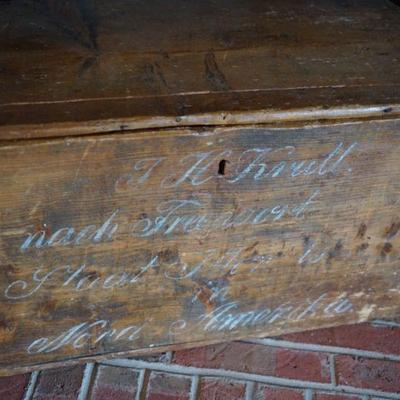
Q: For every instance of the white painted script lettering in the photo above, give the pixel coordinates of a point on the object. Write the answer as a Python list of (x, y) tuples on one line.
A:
[(69, 236), (257, 164), (170, 220), (84, 334), (75, 278), (228, 317)]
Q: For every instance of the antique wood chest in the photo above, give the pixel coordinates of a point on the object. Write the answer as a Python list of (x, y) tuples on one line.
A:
[(183, 172)]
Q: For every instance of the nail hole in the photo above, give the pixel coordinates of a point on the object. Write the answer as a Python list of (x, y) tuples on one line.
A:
[(221, 167)]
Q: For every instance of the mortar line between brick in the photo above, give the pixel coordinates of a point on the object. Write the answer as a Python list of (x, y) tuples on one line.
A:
[(332, 369), (249, 390), (86, 381), (382, 322), (140, 385), (244, 376), (168, 355), (324, 348), (31, 386), (194, 387), (308, 394)]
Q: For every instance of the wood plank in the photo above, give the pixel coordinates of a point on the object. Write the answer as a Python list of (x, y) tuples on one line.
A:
[(112, 244), (85, 67)]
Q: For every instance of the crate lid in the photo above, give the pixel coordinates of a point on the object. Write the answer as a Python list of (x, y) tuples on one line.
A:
[(73, 68)]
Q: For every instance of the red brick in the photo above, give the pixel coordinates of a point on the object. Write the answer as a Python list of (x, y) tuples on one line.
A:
[(13, 387), (363, 337), (232, 356), (163, 386), (368, 373), (302, 365), (115, 383), (59, 384), (221, 389), (259, 359), (334, 396), (275, 393)]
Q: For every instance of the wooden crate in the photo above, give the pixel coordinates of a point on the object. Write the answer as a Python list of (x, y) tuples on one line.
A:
[(186, 172)]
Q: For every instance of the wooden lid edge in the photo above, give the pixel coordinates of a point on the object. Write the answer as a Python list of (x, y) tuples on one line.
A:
[(256, 117)]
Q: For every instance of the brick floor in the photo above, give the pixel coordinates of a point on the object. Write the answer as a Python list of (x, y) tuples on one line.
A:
[(358, 362)]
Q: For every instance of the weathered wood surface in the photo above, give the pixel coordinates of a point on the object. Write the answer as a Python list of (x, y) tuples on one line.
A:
[(286, 218), (132, 241), (124, 65)]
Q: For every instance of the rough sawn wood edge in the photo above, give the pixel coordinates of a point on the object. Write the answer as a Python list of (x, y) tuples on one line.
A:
[(222, 118)]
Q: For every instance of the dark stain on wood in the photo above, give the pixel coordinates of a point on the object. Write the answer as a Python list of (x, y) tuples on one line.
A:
[(335, 252), (76, 19), (213, 74), (392, 230), (154, 77), (387, 247), (87, 64), (361, 231), (362, 247)]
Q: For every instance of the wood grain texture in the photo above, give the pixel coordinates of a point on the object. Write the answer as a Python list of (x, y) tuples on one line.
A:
[(116, 243), (179, 173), (79, 67)]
